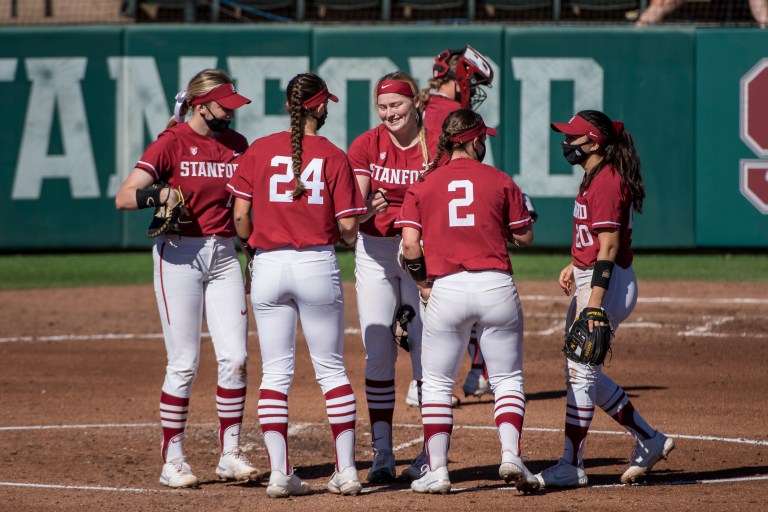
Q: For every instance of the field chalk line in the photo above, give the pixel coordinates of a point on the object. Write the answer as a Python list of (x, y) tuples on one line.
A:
[(300, 426)]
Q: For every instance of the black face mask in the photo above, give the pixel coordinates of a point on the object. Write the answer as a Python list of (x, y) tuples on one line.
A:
[(215, 124), (321, 119), (574, 154)]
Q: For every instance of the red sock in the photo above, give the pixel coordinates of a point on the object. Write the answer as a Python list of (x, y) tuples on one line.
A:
[(230, 404), (173, 417)]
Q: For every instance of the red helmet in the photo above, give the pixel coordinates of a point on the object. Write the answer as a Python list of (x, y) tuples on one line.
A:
[(472, 70)]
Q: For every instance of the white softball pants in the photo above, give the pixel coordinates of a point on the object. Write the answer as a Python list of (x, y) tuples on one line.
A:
[(382, 287), (619, 302), (488, 300), (290, 283), (196, 278)]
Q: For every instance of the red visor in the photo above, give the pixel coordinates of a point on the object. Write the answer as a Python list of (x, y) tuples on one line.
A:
[(473, 133), (319, 99), (395, 86), (225, 95), (580, 126)]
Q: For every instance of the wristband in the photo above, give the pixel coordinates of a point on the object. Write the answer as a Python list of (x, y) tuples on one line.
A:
[(601, 274), (150, 197), (417, 268), (247, 249)]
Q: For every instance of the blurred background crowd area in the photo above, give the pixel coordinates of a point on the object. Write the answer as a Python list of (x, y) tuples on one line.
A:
[(704, 13)]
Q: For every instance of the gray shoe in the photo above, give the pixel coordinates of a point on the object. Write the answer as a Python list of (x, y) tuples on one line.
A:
[(417, 468), (562, 474), (645, 455), (383, 468)]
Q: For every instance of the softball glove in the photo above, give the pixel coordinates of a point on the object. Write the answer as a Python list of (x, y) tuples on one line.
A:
[(585, 347), (166, 217)]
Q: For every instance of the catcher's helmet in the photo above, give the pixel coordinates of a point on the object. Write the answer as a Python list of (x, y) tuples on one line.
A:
[(472, 70)]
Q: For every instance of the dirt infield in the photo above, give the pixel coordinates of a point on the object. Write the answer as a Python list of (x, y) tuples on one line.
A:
[(81, 369)]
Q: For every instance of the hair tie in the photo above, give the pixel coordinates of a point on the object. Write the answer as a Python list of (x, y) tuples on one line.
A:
[(619, 127), (181, 98)]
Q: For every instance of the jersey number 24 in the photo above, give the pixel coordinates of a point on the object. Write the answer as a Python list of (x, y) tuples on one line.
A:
[(311, 176)]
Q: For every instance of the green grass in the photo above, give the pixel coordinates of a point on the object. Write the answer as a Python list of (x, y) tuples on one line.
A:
[(72, 270)]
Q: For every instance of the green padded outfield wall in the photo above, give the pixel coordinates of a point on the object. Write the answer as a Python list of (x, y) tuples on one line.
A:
[(81, 103), (732, 138)]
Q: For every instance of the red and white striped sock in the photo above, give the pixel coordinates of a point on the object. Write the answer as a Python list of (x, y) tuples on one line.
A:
[(509, 413), (173, 417), (230, 404), (380, 395), (617, 406), (438, 426), (341, 408), (273, 417)]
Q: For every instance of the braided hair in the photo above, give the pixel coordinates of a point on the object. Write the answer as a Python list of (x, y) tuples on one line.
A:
[(300, 88), (200, 84), (457, 122), (620, 153)]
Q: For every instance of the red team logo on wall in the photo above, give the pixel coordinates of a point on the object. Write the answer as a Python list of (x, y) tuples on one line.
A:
[(753, 178)]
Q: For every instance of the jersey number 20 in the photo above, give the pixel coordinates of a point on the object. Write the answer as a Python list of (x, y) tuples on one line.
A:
[(466, 200), (311, 176)]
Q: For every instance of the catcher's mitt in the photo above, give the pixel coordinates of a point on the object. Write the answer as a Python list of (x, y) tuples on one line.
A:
[(582, 346), (403, 316), (166, 218)]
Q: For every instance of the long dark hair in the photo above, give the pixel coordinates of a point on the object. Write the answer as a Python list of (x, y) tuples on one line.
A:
[(620, 153), (300, 89), (457, 122)]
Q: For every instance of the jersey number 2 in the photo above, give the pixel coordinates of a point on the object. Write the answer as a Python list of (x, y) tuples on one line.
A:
[(311, 176), (453, 204)]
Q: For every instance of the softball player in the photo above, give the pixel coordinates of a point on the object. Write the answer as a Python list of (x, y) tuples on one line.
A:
[(299, 187), (386, 160), (464, 213), (197, 273), (457, 77), (603, 277)]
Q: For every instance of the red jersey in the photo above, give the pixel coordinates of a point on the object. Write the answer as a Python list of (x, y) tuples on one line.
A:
[(201, 166), (605, 204), (465, 210), (437, 109), (265, 178), (373, 154)]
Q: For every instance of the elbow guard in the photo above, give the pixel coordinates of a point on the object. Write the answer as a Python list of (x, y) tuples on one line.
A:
[(417, 268)]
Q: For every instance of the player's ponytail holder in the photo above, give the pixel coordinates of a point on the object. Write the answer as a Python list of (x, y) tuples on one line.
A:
[(619, 127), (181, 98)]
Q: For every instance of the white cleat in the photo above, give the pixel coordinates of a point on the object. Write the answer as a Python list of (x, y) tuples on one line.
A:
[(513, 469), (383, 468), (417, 467), (345, 482), (234, 465), (412, 398), (177, 473), (645, 455), (433, 482), (562, 474), (282, 485), (476, 384)]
